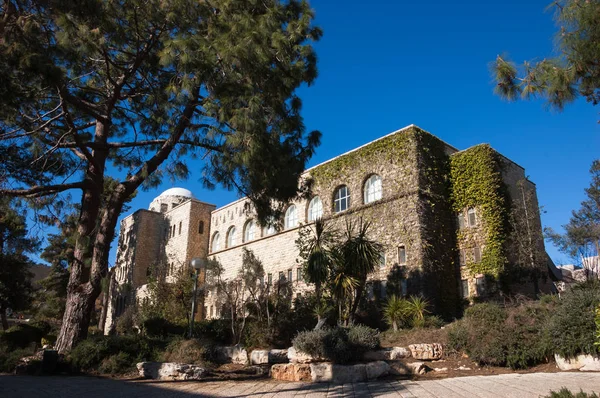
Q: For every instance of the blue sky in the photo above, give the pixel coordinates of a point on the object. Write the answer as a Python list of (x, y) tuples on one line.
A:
[(386, 64)]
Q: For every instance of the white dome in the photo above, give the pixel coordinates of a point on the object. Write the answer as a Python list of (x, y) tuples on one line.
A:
[(177, 192)]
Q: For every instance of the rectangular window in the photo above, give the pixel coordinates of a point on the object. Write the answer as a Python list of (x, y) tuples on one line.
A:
[(463, 259), (382, 260), (298, 274), (464, 284), (461, 220), (201, 227), (480, 286), (477, 254), (402, 255), (281, 276), (270, 279), (179, 227), (472, 217), (289, 275)]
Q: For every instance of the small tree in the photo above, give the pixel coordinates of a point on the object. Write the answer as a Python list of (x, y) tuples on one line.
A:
[(581, 239), (394, 311)]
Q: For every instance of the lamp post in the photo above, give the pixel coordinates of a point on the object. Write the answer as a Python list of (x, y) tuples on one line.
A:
[(197, 264)]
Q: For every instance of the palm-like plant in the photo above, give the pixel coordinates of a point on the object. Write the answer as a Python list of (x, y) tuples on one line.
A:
[(395, 311), (342, 286), (315, 248), (361, 256), (417, 308)]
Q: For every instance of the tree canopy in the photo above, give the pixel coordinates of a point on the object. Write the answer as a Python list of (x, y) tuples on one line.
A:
[(136, 90), (574, 72)]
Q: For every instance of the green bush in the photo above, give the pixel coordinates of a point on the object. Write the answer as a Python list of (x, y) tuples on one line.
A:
[(24, 335), (433, 321), (565, 393), (91, 353), (256, 336), (514, 336), (339, 345), (572, 327), (217, 330), (10, 358), (117, 364), (192, 351), (161, 327)]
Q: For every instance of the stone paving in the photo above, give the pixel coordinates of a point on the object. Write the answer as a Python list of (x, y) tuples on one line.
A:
[(508, 385)]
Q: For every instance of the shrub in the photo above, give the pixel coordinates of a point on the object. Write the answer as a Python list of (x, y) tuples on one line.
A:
[(433, 321), (24, 335), (10, 359), (193, 351), (340, 345), (256, 335), (161, 327), (566, 393), (492, 335), (572, 327), (117, 364), (91, 353), (217, 330)]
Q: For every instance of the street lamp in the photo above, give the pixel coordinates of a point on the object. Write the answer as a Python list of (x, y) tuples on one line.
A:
[(197, 264)]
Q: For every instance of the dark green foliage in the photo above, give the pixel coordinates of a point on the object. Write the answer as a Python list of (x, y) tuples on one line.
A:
[(193, 351), (160, 327), (573, 72), (117, 364), (91, 353), (433, 321), (339, 345), (516, 336), (572, 328), (10, 358), (24, 335), (217, 330), (566, 393)]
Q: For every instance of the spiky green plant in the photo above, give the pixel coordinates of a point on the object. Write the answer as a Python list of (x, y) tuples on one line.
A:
[(395, 310), (417, 308)]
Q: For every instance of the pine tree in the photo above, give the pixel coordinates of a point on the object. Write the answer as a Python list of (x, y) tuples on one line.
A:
[(134, 90), (574, 72)]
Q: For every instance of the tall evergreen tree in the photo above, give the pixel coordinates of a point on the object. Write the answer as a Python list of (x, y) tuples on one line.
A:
[(574, 72), (15, 276), (134, 90)]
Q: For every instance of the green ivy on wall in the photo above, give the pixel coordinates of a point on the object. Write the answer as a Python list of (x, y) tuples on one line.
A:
[(393, 149), (476, 177)]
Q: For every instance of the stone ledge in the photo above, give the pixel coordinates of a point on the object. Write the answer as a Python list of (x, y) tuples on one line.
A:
[(170, 371), (387, 354), (232, 354), (584, 363), (323, 372), (262, 357), (426, 351)]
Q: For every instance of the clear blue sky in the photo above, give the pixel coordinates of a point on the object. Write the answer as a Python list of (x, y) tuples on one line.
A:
[(387, 64)]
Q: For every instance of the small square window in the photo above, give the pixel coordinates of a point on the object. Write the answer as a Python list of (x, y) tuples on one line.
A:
[(402, 255), (461, 220), (480, 286), (463, 259), (281, 276)]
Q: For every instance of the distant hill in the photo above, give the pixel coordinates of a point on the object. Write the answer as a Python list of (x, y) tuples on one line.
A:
[(40, 271)]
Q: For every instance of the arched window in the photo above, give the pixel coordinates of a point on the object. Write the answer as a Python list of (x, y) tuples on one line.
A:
[(269, 230), (291, 217), (341, 200), (372, 191), (315, 209), (472, 217), (216, 242), (249, 231), (231, 237)]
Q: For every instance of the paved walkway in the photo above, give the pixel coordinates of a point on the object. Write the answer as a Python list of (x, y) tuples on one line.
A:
[(509, 385)]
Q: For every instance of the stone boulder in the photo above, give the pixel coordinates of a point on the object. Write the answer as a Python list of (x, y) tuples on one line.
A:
[(426, 352), (323, 372), (170, 371), (291, 372), (278, 356), (232, 354), (296, 356), (407, 369), (259, 357), (387, 354), (585, 363)]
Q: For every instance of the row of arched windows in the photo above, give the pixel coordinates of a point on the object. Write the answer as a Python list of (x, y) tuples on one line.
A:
[(372, 192)]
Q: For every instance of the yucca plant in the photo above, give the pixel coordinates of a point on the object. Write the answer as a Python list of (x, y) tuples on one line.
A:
[(395, 311), (417, 308)]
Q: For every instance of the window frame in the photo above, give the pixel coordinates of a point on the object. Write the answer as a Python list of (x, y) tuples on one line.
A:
[(370, 188), (402, 248), (249, 224), (230, 238), (311, 213), (338, 199), (216, 236), (291, 217), (472, 211)]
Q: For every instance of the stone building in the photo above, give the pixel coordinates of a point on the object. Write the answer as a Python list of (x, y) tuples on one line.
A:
[(442, 216)]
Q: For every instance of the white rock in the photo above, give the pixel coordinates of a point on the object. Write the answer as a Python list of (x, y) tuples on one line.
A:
[(170, 371), (417, 368), (278, 356), (301, 357), (387, 354), (233, 354), (585, 363), (321, 372), (259, 357), (441, 370), (462, 368), (426, 351), (377, 369)]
